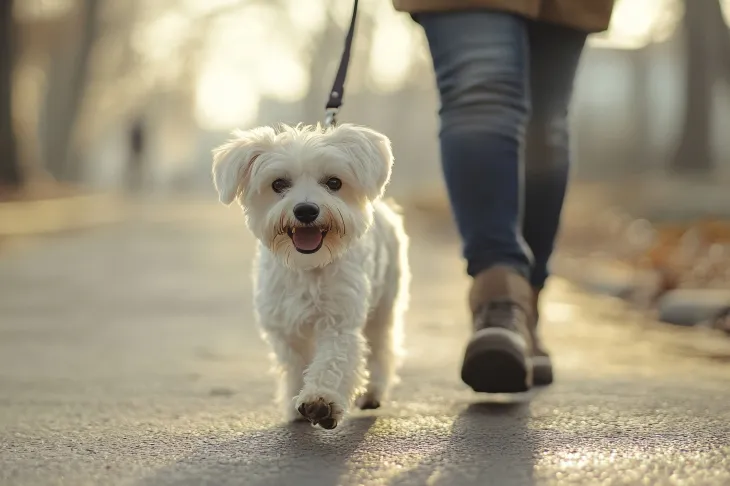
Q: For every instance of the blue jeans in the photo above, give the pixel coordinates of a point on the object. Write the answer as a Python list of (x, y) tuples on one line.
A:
[(505, 85)]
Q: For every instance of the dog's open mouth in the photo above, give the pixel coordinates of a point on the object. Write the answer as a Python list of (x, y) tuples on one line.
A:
[(307, 239)]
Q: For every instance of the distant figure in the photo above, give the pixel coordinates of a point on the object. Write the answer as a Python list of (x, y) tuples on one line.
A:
[(135, 170), (505, 70)]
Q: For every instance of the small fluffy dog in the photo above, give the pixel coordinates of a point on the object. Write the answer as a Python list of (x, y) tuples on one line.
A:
[(331, 280)]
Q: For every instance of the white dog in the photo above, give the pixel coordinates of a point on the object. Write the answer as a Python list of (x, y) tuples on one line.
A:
[(331, 282)]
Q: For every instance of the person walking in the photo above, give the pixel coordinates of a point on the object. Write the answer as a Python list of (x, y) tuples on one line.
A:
[(505, 71)]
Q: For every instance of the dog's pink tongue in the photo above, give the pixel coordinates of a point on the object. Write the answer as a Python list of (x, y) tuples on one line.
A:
[(307, 239)]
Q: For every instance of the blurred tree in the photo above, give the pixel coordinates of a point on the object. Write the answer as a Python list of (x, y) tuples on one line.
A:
[(67, 80), (133, 72), (10, 170), (707, 47)]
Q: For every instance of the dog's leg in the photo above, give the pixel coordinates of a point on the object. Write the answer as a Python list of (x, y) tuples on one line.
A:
[(292, 357), (383, 334), (335, 376), (384, 330)]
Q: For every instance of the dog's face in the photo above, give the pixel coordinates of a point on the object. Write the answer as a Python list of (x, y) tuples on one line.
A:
[(307, 193)]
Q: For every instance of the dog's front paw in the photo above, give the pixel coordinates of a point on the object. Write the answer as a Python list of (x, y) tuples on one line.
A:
[(368, 401), (320, 411)]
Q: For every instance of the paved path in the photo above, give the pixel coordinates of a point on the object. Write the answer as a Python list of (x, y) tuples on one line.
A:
[(128, 356)]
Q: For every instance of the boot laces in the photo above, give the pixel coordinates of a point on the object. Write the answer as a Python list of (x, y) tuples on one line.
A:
[(504, 314)]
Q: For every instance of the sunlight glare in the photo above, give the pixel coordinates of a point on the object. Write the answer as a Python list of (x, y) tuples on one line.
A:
[(160, 38), (392, 52), (309, 15), (244, 45), (242, 34), (636, 23), (225, 98), (558, 312), (282, 77), (203, 7)]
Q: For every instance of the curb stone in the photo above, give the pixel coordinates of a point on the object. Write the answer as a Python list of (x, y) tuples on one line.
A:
[(683, 307), (689, 307)]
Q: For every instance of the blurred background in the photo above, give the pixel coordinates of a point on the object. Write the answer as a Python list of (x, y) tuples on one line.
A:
[(129, 96), (128, 350)]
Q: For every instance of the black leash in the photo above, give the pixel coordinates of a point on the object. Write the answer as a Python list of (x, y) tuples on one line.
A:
[(338, 88)]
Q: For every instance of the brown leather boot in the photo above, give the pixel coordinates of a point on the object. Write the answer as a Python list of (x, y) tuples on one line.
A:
[(542, 365), (498, 358)]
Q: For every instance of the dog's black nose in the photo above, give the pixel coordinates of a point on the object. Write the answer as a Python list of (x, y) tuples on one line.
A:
[(306, 212)]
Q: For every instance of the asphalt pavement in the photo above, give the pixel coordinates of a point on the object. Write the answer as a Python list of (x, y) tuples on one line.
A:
[(129, 356)]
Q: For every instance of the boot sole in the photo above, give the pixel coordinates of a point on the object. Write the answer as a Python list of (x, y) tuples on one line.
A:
[(496, 361), (542, 370)]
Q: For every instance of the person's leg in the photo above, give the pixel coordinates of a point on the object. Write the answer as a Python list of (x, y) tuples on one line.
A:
[(554, 55), (481, 61), (481, 64)]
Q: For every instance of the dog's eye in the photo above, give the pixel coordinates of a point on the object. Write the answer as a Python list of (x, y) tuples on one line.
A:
[(334, 184), (280, 185)]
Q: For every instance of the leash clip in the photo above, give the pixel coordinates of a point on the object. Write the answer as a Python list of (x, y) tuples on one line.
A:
[(338, 87), (330, 117)]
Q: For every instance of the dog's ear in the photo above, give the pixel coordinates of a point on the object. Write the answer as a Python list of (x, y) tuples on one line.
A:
[(232, 161), (371, 153)]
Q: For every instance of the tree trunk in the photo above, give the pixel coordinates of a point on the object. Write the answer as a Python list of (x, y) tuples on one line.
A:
[(10, 171), (64, 96), (706, 38)]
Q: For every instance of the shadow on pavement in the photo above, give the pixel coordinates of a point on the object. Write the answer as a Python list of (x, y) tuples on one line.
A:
[(287, 455), (489, 443)]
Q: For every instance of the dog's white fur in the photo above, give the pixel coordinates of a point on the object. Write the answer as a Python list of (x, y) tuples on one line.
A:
[(334, 317)]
